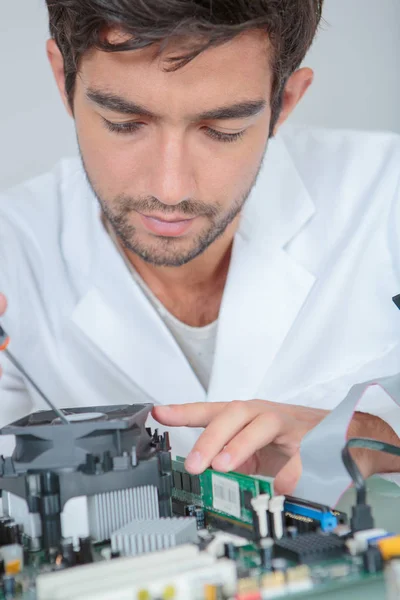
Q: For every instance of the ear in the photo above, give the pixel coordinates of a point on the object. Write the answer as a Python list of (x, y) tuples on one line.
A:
[(296, 87), (57, 64)]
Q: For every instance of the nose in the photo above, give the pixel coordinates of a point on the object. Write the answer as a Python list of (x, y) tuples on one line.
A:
[(172, 179)]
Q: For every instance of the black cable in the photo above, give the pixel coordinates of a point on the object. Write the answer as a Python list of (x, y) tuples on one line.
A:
[(351, 466), (361, 516)]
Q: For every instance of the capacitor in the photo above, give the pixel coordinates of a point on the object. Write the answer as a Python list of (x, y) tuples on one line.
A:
[(115, 554), (230, 551), (134, 458), (373, 560), (4, 521), (9, 586), (280, 565), (266, 552), (107, 461), (89, 468), (292, 531), (200, 518), (13, 533), (68, 552), (85, 551), (166, 444), (190, 510), (50, 512)]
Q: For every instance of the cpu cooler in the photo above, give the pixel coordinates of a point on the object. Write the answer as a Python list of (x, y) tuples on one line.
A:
[(105, 454)]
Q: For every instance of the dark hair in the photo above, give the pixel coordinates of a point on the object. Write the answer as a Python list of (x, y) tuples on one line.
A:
[(78, 25)]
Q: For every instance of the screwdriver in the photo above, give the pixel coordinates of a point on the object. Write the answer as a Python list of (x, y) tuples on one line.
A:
[(4, 343)]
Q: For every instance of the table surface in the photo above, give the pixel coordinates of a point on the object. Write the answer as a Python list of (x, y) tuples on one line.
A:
[(384, 498)]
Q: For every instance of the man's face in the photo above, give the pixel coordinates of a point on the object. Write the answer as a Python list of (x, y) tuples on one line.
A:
[(172, 156)]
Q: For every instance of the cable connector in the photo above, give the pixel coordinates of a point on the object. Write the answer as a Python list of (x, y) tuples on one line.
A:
[(361, 518)]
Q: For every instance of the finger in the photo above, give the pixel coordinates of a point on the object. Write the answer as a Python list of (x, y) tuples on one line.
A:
[(286, 480), (226, 425), (250, 467), (197, 414), (3, 304), (259, 433)]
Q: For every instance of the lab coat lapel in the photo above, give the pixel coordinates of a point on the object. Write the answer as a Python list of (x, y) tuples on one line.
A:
[(114, 314), (266, 287)]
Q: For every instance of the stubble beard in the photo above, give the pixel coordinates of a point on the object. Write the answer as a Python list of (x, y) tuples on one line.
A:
[(165, 251)]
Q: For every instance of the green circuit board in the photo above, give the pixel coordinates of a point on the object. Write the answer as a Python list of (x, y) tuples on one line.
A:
[(224, 500), (228, 494)]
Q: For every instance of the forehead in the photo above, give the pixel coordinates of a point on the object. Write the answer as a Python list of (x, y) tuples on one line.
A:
[(238, 69)]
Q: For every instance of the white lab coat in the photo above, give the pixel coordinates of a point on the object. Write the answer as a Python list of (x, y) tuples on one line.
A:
[(306, 312)]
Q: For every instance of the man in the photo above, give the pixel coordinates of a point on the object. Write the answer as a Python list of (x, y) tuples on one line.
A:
[(250, 294)]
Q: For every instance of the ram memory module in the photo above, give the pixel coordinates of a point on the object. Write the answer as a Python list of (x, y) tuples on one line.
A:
[(228, 494)]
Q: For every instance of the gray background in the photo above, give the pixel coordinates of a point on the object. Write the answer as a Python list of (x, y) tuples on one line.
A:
[(356, 59)]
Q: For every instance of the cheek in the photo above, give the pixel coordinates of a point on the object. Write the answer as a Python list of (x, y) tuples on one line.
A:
[(230, 177), (112, 164)]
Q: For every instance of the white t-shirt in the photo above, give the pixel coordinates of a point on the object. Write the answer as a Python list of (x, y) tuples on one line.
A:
[(196, 343)]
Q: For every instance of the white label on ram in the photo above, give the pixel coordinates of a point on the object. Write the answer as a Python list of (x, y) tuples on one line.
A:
[(226, 495)]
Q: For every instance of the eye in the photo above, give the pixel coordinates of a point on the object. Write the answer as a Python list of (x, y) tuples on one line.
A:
[(224, 137), (124, 128)]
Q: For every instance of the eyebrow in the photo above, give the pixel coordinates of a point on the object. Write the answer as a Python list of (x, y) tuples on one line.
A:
[(240, 110)]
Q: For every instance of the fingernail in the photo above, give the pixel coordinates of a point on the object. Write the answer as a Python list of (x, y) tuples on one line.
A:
[(194, 461), (222, 461)]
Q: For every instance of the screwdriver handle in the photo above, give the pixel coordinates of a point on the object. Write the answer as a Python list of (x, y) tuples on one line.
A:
[(4, 339)]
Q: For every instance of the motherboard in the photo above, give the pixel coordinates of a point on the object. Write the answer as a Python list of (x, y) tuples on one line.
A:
[(153, 531)]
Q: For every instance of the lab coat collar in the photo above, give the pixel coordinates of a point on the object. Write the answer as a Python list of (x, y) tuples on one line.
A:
[(264, 293), (280, 205), (266, 286), (116, 317)]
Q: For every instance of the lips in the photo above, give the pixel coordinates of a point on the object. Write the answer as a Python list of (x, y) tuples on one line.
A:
[(171, 219), (173, 227)]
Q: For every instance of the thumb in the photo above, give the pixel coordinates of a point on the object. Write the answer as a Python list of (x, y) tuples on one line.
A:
[(288, 477)]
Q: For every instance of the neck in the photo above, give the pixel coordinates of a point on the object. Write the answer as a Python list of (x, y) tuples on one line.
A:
[(202, 272)]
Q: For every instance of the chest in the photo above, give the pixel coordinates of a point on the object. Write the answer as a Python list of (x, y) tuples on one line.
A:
[(197, 310)]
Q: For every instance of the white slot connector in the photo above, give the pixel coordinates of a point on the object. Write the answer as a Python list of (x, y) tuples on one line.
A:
[(185, 584), (260, 506), (183, 568), (276, 505), (48, 584)]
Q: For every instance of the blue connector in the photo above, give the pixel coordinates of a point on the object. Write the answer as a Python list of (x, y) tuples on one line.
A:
[(321, 514)]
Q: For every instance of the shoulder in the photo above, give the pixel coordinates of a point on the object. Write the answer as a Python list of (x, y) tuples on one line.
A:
[(343, 155), (353, 180), (33, 204), (36, 217), (339, 144), (346, 171)]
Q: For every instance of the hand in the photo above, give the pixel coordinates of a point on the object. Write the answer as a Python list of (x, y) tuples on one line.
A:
[(253, 437), (3, 306)]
